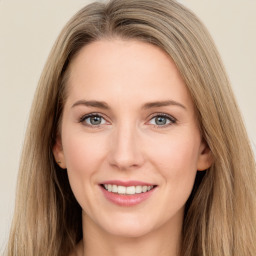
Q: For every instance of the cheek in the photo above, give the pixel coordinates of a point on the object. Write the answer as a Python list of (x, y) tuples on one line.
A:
[(83, 156), (176, 160), (179, 149), (82, 152)]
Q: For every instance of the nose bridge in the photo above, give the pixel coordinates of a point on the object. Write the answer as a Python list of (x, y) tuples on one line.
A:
[(125, 149)]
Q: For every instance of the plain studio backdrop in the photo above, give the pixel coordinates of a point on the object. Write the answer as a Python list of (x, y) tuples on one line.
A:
[(28, 30)]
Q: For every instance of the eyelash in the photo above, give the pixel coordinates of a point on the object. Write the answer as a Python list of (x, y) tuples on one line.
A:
[(171, 119)]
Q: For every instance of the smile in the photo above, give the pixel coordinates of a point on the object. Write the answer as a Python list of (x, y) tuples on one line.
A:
[(123, 190), (127, 193)]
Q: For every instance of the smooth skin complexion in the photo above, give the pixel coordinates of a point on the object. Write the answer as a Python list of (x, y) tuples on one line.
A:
[(129, 119)]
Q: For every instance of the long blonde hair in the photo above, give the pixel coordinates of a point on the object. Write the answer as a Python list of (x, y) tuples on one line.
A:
[(220, 218)]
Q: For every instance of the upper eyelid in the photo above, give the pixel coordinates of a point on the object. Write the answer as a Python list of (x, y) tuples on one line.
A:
[(162, 114), (83, 117)]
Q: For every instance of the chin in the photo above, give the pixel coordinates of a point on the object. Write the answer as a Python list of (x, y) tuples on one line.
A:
[(133, 228), (130, 232)]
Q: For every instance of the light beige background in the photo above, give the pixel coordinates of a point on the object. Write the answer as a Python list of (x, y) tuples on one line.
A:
[(28, 29)]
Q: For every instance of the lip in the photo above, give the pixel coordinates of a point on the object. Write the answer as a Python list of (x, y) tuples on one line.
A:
[(127, 200), (127, 183)]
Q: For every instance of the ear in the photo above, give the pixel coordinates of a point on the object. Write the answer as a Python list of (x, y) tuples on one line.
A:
[(205, 158), (59, 154)]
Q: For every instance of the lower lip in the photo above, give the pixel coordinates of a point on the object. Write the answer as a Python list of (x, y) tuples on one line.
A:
[(127, 200)]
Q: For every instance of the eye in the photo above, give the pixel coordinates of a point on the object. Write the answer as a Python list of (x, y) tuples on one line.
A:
[(162, 120), (93, 120)]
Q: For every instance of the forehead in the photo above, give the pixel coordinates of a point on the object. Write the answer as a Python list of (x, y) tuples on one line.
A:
[(125, 69)]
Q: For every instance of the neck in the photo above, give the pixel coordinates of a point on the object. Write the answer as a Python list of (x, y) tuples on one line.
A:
[(163, 241)]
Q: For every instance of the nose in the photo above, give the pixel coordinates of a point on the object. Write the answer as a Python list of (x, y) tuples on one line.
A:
[(126, 148)]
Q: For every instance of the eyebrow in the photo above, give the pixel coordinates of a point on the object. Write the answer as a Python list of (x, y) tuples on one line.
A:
[(91, 103), (158, 104), (104, 105)]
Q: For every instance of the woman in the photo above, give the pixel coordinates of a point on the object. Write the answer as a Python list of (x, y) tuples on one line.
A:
[(135, 144)]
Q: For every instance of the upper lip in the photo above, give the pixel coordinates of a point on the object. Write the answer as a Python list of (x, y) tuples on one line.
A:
[(127, 183)]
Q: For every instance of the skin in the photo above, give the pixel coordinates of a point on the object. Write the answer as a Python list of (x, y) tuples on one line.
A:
[(129, 144)]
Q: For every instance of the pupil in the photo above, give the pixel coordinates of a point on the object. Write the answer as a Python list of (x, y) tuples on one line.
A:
[(160, 120), (95, 120)]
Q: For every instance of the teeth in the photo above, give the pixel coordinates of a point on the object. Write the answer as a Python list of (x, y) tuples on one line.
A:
[(121, 190), (144, 189), (150, 187), (138, 189), (130, 190), (114, 189), (127, 190)]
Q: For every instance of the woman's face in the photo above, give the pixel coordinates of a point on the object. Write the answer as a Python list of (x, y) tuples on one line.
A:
[(129, 126)]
